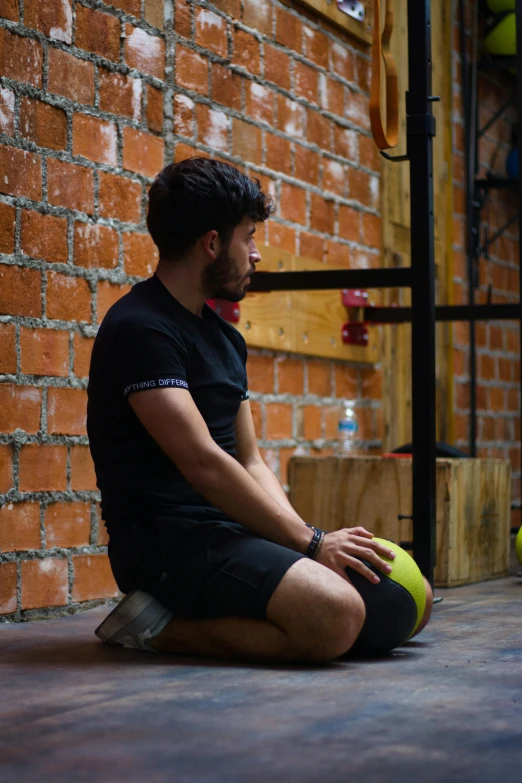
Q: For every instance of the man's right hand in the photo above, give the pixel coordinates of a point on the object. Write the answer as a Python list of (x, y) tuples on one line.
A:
[(344, 548)]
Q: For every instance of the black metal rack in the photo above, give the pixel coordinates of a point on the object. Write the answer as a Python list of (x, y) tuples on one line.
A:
[(478, 190), (420, 277)]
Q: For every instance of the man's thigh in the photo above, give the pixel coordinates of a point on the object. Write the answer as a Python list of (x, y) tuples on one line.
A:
[(242, 575), (307, 594)]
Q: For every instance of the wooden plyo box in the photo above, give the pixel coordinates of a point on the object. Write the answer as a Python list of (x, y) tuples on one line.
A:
[(473, 499)]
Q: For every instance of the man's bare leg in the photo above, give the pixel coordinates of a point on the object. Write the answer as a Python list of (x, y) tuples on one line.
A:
[(313, 616)]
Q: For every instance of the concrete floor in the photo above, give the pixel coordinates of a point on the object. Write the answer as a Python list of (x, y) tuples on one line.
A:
[(447, 707)]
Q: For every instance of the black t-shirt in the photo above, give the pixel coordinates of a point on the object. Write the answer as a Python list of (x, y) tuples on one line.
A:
[(149, 340)]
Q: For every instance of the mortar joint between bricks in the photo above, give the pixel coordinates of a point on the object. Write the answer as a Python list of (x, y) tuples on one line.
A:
[(8, 378), (118, 13), (38, 554), (94, 526), (53, 496), (19, 27), (37, 323), (43, 536), (43, 297), (71, 379), (47, 209), (120, 267), (70, 574), (43, 414), (283, 443), (8, 557), (17, 613)]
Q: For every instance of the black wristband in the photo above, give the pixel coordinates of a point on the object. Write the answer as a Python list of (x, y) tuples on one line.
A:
[(314, 543), (319, 545), (315, 528)]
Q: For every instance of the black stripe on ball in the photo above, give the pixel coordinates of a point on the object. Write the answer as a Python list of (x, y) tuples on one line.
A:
[(391, 613)]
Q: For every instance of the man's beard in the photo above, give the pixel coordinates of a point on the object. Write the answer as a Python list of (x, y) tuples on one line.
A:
[(220, 280)]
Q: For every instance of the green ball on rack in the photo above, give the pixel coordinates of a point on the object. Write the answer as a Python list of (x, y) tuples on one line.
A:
[(501, 6), (502, 38)]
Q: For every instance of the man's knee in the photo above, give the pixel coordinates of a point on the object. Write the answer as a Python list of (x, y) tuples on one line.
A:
[(321, 612), (342, 622)]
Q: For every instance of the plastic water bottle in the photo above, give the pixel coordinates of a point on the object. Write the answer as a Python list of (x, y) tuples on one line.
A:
[(347, 429)]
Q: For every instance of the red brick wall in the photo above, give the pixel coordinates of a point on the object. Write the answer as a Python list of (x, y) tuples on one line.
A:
[(94, 99), (498, 363)]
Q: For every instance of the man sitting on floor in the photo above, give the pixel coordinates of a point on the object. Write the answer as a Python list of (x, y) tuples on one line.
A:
[(212, 557)]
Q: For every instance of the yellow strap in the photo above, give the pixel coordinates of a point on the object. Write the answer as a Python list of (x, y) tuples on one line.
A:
[(381, 51)]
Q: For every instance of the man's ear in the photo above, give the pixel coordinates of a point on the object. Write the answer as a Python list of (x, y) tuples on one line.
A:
[(211, 244)]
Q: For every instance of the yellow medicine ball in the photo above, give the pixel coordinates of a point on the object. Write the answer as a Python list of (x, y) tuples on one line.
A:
[(502, 38), (394, 607), (499, 6), (518, 545)]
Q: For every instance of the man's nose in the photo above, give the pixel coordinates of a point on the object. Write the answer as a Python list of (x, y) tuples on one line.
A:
[(255, 255)]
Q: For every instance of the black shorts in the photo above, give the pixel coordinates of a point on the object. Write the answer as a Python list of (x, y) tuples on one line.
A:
[(217, 569)]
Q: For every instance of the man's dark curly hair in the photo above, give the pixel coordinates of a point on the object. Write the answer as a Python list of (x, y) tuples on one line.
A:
[(197, 195)]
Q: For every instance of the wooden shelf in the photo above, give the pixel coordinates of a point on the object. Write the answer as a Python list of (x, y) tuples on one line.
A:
[(303, 322)]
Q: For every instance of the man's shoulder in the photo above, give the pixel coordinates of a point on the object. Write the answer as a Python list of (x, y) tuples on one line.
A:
[(135, 301), (136, 312), (137, 324)]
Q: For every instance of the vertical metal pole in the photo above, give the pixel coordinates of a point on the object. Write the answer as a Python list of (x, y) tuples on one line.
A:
[(472, 230), (420, 129), (519, 141)]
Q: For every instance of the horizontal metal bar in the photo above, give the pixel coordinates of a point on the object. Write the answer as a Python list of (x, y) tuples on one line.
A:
[(331, 279), (497, 64), (496, 183), (492, 312)]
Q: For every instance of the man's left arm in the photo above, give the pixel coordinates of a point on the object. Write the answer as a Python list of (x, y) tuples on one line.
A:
[(249, 456)]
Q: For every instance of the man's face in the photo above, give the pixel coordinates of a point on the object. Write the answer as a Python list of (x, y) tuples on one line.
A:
[(229, 275)]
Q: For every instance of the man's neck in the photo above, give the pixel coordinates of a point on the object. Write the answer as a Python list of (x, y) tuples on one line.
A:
[(183, 281)]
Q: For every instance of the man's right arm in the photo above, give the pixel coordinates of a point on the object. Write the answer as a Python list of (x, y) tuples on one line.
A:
[(173, 420)]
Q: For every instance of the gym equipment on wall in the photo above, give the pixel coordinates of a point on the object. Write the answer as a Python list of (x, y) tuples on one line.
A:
[(478, 190), (420, 277), (381, 53)]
